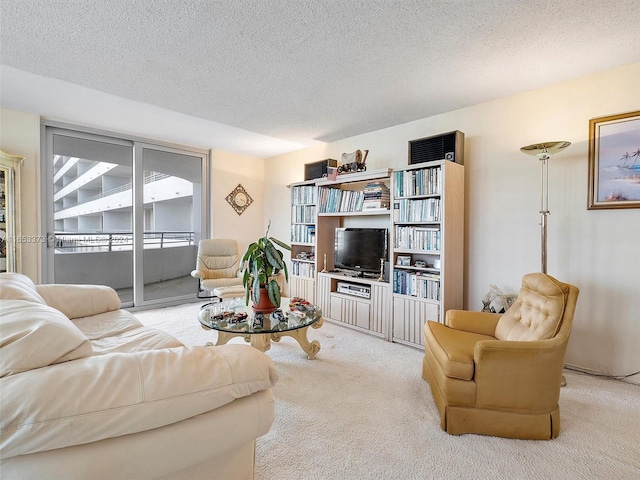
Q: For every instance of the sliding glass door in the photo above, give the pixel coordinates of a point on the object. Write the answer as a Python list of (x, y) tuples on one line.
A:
[(122, 213), (171, 221)]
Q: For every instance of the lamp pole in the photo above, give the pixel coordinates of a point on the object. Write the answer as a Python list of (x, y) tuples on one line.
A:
[(544, 210), (544, 151)]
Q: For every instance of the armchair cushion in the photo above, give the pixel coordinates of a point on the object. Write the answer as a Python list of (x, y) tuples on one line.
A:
[(537, 312), (35, 336), (217, 258), (453, 349)]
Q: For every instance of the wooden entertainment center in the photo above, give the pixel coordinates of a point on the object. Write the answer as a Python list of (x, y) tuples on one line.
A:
[(423, 271)]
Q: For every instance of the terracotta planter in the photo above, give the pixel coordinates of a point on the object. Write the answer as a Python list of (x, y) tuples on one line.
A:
[(265, 305)]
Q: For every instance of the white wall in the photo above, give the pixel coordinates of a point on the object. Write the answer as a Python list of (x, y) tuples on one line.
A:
[(595, 250), (229, 170)]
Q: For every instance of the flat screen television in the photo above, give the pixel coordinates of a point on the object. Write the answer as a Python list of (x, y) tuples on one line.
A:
[(360, 249)]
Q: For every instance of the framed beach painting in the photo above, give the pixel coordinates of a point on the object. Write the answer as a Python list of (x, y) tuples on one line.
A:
[(614, 161)]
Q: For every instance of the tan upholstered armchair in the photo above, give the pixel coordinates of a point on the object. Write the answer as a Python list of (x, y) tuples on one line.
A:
[(217, 265), (498, 374)]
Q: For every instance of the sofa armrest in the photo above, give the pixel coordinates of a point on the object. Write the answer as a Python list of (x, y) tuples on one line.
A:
[(474, 322), (107, 396), (77, 301), (521, 374)]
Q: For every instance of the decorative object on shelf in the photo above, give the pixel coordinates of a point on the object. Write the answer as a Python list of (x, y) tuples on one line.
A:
[(543, 151), (381, 277), (493, 299), (614, 161), (405, 261), (354, 162), (239, 199), (324, 265), (262, 262)]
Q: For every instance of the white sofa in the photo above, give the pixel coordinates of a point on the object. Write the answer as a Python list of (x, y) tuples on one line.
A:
[(87, 391)]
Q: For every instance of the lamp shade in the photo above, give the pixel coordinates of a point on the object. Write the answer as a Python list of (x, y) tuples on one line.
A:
[(545, 149)]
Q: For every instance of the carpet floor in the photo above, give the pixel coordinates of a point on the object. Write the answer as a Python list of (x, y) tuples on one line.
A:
[(362, 411)]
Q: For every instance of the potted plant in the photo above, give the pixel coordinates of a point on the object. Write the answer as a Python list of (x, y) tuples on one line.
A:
[(262, 261)]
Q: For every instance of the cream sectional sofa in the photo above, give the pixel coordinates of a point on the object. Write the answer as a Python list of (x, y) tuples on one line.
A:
[(87, 391)]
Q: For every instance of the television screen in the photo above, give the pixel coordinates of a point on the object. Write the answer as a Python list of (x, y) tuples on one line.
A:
[(360, 249)]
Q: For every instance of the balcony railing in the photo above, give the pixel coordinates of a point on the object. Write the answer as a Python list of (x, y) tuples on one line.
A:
[(85, 242)]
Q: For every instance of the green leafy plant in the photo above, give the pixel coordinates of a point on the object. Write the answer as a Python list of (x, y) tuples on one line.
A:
[(262, 261)]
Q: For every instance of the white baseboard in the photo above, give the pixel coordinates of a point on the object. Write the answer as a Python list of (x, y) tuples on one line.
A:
[(635, 379)]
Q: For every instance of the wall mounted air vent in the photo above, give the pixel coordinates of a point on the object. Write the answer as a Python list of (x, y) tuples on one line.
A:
[(448, 146)]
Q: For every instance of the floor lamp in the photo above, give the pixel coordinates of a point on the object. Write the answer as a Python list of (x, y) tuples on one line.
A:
[(544, 151)]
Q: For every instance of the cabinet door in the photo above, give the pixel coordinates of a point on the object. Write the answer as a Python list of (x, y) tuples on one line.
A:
[(353, 312), (323, 295), (380, 309), (302, 287), (409, 317)]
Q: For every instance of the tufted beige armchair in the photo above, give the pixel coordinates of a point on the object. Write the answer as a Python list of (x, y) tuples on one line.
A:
[(217, 265), (500, 375)]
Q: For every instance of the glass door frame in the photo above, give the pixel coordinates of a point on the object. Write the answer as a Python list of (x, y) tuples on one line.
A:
[(137, 144)]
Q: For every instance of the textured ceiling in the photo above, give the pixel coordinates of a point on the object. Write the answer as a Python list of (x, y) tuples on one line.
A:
[(304, 71)]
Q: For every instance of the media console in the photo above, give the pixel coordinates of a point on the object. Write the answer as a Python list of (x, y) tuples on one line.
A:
[(361, 303)]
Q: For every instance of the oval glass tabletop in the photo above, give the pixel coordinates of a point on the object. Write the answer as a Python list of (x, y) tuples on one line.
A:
[(234, 316)]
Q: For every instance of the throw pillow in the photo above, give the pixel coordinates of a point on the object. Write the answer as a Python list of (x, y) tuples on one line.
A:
[(16, 286), (34, 335)]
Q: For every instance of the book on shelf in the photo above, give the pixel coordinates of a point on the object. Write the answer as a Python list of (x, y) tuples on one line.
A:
[(303, 233), (424, 181), (416, 210), (334, 200), (302, 269), (303, 194), (376, 196), (416, 284), (417, 238)]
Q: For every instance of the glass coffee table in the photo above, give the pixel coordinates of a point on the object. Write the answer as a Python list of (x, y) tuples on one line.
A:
[(232, 318)]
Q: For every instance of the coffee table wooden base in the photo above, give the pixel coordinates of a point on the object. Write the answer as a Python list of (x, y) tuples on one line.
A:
[(262, 341)]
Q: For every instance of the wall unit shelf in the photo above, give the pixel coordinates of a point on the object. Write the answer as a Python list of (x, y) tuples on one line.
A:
[(303, 240), (428, 246), (422, 208)]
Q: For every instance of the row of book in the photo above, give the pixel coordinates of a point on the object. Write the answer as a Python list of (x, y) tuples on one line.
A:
[(303, 194), (303, 269), (303, 213), (334, 200), (422, 210), (410, 183), (303, 233), (416, 284), (376, 196), (417, 238)]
